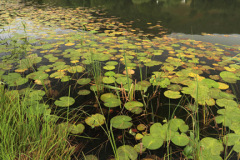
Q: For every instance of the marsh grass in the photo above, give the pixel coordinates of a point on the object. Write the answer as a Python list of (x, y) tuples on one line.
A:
[(27, 135)]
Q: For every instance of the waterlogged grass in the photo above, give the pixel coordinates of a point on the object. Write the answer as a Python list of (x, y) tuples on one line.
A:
[(161, 93)]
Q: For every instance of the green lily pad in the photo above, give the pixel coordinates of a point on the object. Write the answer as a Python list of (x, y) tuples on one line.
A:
[(106, 96), (64, 101), (84, 81), (123, 80), (227, 95), (84, 92), (108, 80), (96, 88), (151, 142), (127, 152), (112, 103), (121, 122), (229, 77), (226, 103), (211, 148), (230, 139), (210, 83), (95, 120), (139, 148), (141, 127), (172, 94), (14, 79), (176, 124), (108, 67), (132, 105), (109, 73), (112, 63), (76, 129), (59, 74), (37, 75), (75, 69), (174, 87), (180, 139), (66, 79)]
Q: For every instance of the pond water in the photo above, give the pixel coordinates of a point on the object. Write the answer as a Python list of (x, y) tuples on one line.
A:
[(130, 63)]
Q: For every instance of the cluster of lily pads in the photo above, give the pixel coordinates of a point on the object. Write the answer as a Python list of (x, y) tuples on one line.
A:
[(177, 66)]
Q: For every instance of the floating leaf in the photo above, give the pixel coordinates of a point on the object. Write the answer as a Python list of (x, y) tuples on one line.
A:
[(229, 77), (127, 152), (133, 105), (141, 127), (172, 94), (76, 129), (180, 139), (227, 103), (108, 80), (121, 122), (151, 142), (84, 81), (106, 96), (95, 120), (64, 101), (223, 85), (139, 148), (75, 69), (84, 92), (176, 124)]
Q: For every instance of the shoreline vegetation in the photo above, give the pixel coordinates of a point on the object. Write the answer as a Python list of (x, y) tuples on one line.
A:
[(76, 86)]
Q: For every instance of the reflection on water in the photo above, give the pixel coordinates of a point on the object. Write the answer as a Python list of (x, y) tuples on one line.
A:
[(179, 16)]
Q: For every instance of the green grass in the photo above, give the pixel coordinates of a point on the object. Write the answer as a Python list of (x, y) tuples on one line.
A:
[(29, 135)]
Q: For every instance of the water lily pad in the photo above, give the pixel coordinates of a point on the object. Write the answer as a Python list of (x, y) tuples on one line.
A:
[(108, 67), (14, 79), (210, 83), (95, 120), (112, 63), (176, 124), (123, 80), (174, 87), (141, 127), (108, 80), (75, 69), (227, 103), (112, 103), (172, 94), (110, 73), (121, 122), (229, 77), (106, 96), (96, 88), (84, 81), (57, 75), (223, 85), (151, 142), (76, 129), (211, 147), (64, 101), (139, 148), (138, 136), (84, 92), (227, 95), (180, 139), (133, 105), (127, 152)]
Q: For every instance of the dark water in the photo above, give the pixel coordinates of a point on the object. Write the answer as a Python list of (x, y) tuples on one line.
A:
[(179, 18)]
